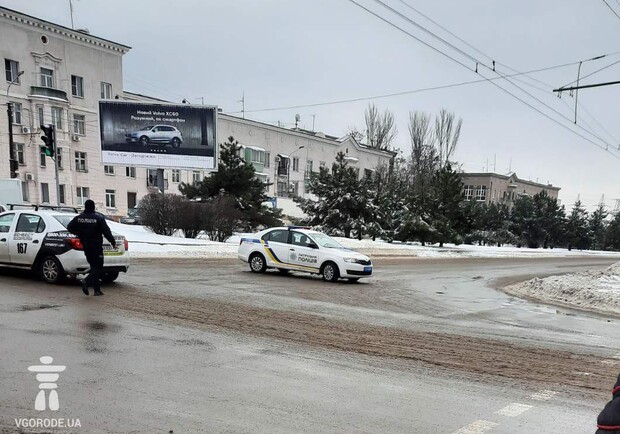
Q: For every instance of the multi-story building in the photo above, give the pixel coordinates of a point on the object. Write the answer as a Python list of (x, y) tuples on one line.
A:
[(496, 188), (67, 72)]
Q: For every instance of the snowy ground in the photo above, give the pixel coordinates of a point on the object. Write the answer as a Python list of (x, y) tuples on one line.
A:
[(143, 243), (592, 290)]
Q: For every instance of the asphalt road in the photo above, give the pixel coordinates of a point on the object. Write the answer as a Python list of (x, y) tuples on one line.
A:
[(424, 346)]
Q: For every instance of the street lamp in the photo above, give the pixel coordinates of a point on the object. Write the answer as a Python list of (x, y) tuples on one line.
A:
[(288, 170), (13, 165)]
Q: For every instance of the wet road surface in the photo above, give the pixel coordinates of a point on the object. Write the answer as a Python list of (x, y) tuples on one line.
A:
[(206, 346)]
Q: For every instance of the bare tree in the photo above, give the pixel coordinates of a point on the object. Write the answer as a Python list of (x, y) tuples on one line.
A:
[(380, 128), (358, 135), (424, 159), (447, 134)]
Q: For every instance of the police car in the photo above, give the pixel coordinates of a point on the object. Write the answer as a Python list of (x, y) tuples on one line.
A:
[(39, 240), (302, 249)]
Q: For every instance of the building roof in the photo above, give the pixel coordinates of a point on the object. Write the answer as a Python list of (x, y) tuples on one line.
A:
[(512, 175), (60, 29)]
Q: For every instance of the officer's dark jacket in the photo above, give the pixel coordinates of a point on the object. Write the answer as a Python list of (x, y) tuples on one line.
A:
[(89, 227), (609, 419)]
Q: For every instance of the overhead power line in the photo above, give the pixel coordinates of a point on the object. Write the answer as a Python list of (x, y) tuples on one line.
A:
[(606, 147), (611, 9), (407, 92)]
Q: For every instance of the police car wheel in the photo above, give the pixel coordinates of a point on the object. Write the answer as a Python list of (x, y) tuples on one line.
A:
[(109, 276), (330, 272), (257, 263), (51, 270)]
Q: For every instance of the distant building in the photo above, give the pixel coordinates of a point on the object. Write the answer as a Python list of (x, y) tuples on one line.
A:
[(496, 188)]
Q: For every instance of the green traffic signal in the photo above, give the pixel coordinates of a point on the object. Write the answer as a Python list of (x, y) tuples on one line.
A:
[(47, 151)]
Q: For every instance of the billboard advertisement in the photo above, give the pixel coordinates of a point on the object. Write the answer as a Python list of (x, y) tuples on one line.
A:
[(158, 135)]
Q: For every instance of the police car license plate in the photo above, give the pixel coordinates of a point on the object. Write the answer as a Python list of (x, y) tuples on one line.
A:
[(367, 269), (109, 250)]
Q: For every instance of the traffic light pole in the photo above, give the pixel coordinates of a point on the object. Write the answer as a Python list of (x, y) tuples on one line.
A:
[(12, 160), (56, 168)]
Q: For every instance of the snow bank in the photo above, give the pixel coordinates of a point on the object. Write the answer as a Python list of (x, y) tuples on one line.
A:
[(592, 290), (144, 243)]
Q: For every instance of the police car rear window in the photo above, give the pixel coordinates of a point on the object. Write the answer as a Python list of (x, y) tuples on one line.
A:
[(278, 236), (64, 219)]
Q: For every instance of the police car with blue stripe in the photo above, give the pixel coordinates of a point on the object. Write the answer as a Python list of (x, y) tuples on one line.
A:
[(296, 248)]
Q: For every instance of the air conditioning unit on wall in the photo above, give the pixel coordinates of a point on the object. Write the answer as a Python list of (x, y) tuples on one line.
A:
[(75, 137), (26, 130), (29, 177)]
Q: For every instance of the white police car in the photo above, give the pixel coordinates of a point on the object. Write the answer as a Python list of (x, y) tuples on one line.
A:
[(39, 240), (302, 249)]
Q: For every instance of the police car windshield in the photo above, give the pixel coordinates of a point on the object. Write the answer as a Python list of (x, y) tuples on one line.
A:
[(64, 219), (326, 241)]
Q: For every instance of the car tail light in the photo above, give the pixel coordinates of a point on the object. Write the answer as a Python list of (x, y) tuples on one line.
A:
[(75, 243), (126, 244)]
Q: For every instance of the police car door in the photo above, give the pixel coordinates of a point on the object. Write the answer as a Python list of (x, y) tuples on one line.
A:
[(25, 240), (276, 247), (6, 222), (301, 254)]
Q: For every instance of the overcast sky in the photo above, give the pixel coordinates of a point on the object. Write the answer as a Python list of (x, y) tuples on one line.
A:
[(283, 53)]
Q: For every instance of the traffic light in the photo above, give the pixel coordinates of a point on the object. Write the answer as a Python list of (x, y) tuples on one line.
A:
[(49, 138)]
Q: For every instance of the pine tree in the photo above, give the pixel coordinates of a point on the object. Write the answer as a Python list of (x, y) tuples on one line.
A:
[(237, 178), (612, 235), (446, 209), (577, 228), (598, 227), (342, 203)]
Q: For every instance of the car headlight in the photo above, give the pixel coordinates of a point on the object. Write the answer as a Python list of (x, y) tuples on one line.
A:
[(352, 260)]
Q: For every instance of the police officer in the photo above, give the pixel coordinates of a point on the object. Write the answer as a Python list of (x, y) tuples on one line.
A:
[(91, 227)]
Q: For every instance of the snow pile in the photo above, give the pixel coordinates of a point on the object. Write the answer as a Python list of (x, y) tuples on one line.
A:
[(592, 290)]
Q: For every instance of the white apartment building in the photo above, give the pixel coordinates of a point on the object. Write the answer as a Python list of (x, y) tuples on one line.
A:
[(67, 72)]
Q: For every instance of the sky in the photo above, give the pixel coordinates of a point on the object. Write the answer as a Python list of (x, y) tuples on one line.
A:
[(284, 53)]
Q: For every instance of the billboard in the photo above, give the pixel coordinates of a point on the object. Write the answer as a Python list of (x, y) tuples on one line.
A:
[(158, 135)]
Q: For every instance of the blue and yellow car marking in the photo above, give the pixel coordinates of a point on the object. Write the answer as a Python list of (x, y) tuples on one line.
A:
[(275, 259)]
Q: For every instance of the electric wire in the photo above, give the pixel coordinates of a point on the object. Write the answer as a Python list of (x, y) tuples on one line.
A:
[(606, 148), (611, 9)]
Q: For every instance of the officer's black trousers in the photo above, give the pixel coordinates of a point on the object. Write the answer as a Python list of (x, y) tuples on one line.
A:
[(94, 256)]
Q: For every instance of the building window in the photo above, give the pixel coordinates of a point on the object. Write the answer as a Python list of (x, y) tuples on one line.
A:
[(77, 86), (59, 159), (267, 158), (481, 192), (41, 115), (17, 113), (468, 191), (45, 192), (264, 178), (257, 156), (79, 122), (195, 176), (308, 169), (82, 193), (57, 118), (132, 200), (61, 193), (25, 191), (47, 77), (20, 154), (80, 161), (295, 164), (106, 90), (42, 158), (11, 68), (108, 170), (176, 175), (130, 172), (151, 177), (110, 198)]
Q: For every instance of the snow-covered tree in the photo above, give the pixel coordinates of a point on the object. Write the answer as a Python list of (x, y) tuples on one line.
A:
[(598, 226)]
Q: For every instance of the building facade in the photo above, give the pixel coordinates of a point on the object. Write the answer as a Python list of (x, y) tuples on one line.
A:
[(67, 72), (503, 189)]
